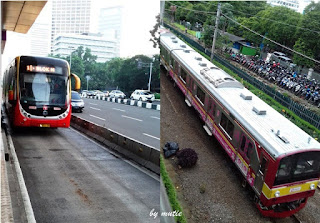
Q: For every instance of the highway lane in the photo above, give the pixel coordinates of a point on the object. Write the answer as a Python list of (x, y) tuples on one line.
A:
[(134, 122), (70, 178)]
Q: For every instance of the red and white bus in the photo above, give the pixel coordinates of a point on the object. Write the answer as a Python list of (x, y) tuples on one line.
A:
[(37, 92)]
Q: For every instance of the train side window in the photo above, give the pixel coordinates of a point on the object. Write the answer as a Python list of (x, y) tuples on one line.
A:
[(171, 61), (263, 166), (212, 107), (183, 75), (249, 150), (243, 143), (176, 67), (227, 125), (200, 95)]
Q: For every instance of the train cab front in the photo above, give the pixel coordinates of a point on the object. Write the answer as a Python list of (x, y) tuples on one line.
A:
[(294, 180)]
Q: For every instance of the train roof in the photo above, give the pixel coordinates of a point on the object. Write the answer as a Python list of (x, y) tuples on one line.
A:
[(273, 131)]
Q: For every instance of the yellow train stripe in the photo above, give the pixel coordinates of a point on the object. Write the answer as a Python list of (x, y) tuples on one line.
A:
[(270, 193)]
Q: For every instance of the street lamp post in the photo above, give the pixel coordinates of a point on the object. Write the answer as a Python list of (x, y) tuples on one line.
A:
[(88, 78), (140, 64), (72, 50)]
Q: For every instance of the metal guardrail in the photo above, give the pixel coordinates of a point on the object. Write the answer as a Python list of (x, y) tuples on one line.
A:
[(298, 109)]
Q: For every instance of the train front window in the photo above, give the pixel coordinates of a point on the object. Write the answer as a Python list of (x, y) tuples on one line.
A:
[(298, 167), (42, 89)]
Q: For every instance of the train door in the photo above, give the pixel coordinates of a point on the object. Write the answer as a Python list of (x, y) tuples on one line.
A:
[(210, 109), (190, 83), (259, 180)]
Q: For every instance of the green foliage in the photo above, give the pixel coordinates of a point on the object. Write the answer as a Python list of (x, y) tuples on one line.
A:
[(118, 72), (281, 24), (309, 40), (157, 95), (171, 192), (300, 47)]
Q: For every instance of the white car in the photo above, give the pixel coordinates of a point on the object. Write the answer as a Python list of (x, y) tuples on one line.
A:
[(142, 95), (117, 94)]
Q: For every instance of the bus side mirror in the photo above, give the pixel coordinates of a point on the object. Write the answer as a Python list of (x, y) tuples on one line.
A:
[(10, 95)]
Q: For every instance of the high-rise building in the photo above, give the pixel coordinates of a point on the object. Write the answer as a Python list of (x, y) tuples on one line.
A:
[(110, 24), (70, 16), (65, 44), (39, 36), (291, 4)]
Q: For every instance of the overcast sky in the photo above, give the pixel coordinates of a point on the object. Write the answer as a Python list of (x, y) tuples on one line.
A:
[(138, 20)]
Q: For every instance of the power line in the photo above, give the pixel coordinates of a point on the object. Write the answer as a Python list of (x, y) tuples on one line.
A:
[(211, 13), (271, 40)]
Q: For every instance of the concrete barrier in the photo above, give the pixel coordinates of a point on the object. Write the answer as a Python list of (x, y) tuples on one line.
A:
[(144, 155)]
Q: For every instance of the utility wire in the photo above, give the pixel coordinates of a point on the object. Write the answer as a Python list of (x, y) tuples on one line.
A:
[(253, 32), (271, 40), (212, 13)]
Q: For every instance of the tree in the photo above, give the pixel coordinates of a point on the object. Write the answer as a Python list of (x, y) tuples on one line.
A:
[(301, 48), (309, 31), (155, 38)]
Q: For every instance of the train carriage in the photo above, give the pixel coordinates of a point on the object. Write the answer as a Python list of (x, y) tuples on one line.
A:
[(277, 159), (37, 92)]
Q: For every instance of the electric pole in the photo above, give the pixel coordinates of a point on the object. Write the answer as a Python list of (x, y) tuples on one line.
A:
[(215, 31)]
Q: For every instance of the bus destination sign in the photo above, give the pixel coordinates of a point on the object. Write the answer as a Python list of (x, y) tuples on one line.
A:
[(33, 68)]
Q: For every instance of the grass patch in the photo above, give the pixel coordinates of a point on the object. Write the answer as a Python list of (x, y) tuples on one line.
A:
[(171, 192), (183, 28)]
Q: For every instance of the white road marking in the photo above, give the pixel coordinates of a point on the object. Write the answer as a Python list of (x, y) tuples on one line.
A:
[(119, 109), (155, 117), (95, 108), (142, 169), (132, 118), (92, 103), (98, 117), (151, 136)]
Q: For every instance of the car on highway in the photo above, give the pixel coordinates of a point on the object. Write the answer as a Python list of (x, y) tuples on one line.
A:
[(91, 93), (106, 93), (278, 54), (142, 95), (99, 93), (117, 94), (77, 103)]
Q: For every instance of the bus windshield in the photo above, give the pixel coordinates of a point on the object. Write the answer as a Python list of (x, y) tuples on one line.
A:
[(298, 167), (42, 89)]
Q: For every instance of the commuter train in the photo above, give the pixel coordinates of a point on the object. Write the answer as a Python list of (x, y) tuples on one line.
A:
[(37, 92), (276, 158)]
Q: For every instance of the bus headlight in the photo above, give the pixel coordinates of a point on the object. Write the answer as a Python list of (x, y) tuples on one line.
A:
[(312, 186), (277, 194)]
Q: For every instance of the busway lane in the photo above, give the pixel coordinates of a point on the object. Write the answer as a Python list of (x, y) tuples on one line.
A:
[(137, 123), (70, 178)]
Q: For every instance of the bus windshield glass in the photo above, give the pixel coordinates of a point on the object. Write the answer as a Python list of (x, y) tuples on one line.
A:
[(43, 89), (298, 167)]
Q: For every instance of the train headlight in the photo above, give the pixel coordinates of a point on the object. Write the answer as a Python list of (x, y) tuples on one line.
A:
[(312, 186), (277, 194)]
